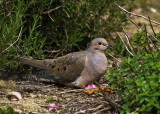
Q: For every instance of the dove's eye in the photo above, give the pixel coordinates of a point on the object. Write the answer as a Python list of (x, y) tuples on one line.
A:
[(99, 43)]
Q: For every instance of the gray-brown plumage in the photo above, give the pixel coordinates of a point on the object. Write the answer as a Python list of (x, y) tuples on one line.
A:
[(78, 68)]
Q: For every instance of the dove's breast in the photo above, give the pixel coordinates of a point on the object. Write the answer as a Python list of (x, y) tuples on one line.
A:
[(95, 67), (99, 63)]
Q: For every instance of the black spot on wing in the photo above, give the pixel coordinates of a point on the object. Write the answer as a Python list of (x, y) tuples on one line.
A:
[(64, 68)]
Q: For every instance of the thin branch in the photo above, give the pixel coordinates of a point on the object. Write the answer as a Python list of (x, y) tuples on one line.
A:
[(99, 107), (123, 10), (74, 90), (66, 33), (55, 51), (128, 39), (153, 37), (51, 10), (153, 44), (129, 18), (115, 105), (125, 45), (12, 103), (19, 48), (113, 57), (100, 111), (14, 41), (50, 17), (136, 14), (150, 49), (151, 26), (146, 50)]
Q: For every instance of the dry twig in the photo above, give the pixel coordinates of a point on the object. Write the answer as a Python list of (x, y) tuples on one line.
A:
[(75, 90), (129, 42), (104, 109), (150, 49), (98, 107), (51, 10), (124, 10), (131, 20), (11, 103), (125, 45), (55, 51), (56, 8), (113, 57), (151, 26), (50, 17), (153, 44), (115, 105), (153, 37)]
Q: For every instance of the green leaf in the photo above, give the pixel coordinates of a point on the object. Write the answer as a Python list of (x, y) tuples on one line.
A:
[(49, 100), (114, 85), (123, 68), (131, 86)]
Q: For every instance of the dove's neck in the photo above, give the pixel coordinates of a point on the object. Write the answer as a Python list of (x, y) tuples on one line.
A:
[(92, 50)]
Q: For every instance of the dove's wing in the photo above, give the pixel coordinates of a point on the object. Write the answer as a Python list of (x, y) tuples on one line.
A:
[(67, 68)]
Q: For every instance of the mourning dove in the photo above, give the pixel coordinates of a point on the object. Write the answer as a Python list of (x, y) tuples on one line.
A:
[(77, 68)]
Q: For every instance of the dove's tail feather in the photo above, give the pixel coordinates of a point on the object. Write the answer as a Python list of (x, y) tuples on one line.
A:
[(39, 64), (34, 62)]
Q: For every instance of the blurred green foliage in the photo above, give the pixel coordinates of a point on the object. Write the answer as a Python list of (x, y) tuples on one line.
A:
[(9, 110), (50, 28), (137, 81), (50, 100)]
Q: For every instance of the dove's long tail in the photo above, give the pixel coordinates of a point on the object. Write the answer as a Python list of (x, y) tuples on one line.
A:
[(39, 64), (34, 62)]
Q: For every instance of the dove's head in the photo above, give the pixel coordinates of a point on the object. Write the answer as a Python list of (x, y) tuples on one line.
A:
[(99, 44)]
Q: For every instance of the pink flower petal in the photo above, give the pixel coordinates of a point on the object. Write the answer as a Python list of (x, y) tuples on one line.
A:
[(131, 15), (51, 108), (53, 105), (81, 107), (90, 86), (15, 99), (116, 113)]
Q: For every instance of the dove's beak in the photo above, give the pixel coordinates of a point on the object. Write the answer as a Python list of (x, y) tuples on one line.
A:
[(109, 46)]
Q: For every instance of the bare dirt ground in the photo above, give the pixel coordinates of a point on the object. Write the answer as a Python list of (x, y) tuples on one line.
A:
[(69, 100)]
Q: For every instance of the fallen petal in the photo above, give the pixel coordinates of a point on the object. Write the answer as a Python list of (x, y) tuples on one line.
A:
[(53, 105), (116, 113), (90, 86), (51, 108), (15, 100)]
